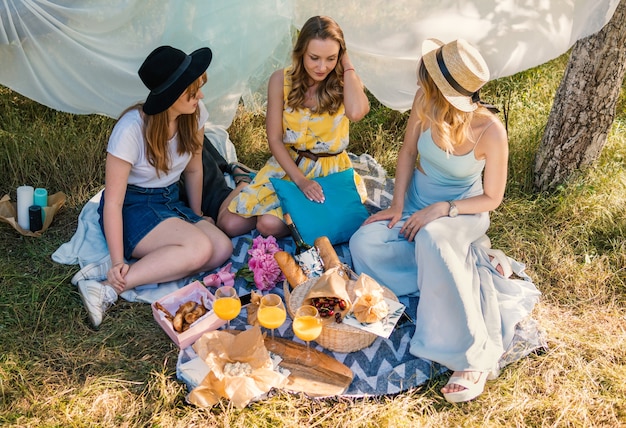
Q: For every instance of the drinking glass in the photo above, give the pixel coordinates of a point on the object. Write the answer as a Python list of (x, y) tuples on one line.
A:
[(227, 304), (271, 315), (307, 325)]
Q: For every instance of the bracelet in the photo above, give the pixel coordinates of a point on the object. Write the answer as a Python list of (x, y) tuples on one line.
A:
[(349, 69)]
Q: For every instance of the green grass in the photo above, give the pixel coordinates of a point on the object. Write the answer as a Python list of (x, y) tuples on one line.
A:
[(56, 371)]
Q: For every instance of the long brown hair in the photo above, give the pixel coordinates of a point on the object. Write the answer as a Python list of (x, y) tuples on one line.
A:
[(329, 94), (155, 130), (449, 123)]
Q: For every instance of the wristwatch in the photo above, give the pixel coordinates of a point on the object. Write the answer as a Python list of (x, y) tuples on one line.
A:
[(454, 211)]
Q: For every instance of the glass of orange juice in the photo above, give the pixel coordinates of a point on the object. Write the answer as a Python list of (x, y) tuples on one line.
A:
[(307, 326), (271, 315), (227, 304)]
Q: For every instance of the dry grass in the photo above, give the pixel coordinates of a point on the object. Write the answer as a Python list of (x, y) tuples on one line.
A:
[(55, 371)]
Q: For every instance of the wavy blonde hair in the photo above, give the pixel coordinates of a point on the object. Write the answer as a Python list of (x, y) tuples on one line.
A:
[(449, 123), (155, 131), (329, 94)]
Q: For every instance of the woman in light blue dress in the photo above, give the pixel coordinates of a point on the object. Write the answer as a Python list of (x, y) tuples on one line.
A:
[(425, 243)]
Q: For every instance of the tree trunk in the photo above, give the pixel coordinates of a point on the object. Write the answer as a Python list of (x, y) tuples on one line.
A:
[(584, 105)]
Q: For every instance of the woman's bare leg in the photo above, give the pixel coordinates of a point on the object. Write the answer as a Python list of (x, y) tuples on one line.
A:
[(268, 224), (233, 224), (175, 249)]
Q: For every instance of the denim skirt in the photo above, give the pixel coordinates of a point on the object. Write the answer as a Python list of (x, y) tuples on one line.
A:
[(144, 208)]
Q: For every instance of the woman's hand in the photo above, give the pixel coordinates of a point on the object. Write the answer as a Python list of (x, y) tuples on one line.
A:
[(312, 190), (115, 276), (421, 218), (354, 98), (392, 214), (345, 61)]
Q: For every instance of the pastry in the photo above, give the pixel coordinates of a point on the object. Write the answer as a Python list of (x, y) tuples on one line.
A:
[(186, 314)]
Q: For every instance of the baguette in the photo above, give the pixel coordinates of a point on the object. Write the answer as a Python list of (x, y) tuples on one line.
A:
[(290, 268), (327, 253)]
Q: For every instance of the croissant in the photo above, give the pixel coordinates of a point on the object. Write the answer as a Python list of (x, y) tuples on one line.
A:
[(186, 314)]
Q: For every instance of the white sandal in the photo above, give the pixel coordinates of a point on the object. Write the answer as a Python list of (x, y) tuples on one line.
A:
[(497, 257), (472, 388)]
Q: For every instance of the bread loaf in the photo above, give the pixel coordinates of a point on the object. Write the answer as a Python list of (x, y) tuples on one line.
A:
[(290, 268), (327, 253)]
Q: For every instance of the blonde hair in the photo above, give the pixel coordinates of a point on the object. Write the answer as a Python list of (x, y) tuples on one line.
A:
[(156, 130), (449, 123), (329, 94)]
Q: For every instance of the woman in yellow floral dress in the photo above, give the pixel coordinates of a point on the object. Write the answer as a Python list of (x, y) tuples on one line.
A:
[(309, 108)]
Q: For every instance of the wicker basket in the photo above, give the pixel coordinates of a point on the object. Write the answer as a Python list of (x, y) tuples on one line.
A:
[(336, 337)]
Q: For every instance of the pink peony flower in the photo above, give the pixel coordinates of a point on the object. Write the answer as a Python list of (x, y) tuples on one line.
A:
[(262, 245), (265, 271)]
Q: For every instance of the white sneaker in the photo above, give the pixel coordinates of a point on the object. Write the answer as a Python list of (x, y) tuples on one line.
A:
[(97, 298), (97, 271)]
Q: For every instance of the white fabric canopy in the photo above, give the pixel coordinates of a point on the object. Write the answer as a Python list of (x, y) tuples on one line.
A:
[(82, 56)]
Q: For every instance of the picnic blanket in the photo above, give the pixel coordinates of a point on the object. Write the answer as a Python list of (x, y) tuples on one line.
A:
[(385, 367)]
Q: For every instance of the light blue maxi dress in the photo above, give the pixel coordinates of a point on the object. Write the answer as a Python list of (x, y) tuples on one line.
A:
[(467, 312)]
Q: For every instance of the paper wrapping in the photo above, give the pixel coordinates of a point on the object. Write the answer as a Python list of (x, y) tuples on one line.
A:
[(333, 283), (217, 348), (253, 308), (369, 305), (8, 213)]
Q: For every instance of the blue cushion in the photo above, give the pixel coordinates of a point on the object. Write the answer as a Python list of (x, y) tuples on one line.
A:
[(337, 218)]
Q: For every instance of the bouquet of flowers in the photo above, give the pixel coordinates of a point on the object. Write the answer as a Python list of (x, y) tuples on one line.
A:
[(262, 269)]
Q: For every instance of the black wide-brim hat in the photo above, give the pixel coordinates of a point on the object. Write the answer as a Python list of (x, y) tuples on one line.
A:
[(168, 72)]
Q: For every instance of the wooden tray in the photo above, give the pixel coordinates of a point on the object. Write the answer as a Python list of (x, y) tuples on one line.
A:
[(327, 377)]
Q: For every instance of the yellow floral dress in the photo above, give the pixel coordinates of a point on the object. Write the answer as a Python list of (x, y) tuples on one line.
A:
[(302, 130)]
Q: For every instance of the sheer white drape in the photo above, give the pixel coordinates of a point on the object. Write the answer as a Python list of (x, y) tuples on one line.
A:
[(82, 56)]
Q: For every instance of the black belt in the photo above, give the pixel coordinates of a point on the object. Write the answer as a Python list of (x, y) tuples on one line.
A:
[(310, 155)]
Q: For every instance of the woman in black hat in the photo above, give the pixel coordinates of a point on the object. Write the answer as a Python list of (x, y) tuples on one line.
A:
[(141, 214)]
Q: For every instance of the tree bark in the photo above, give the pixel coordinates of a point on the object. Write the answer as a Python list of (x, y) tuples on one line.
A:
[(584, 105)]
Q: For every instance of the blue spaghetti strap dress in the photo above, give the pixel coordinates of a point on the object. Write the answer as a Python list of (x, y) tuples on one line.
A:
[(459, 323)]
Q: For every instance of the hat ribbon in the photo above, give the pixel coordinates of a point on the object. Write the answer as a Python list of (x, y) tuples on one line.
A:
[(475, 96), (173, 77), (490, 107)]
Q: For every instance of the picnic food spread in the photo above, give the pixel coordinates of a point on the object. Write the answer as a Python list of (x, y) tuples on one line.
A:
[(334, 294)]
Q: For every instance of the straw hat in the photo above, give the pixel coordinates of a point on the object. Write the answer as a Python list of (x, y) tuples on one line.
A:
[(458, 70), (167, 72)]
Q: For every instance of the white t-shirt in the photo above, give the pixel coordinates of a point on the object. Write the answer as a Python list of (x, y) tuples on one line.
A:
[(127, 143)]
